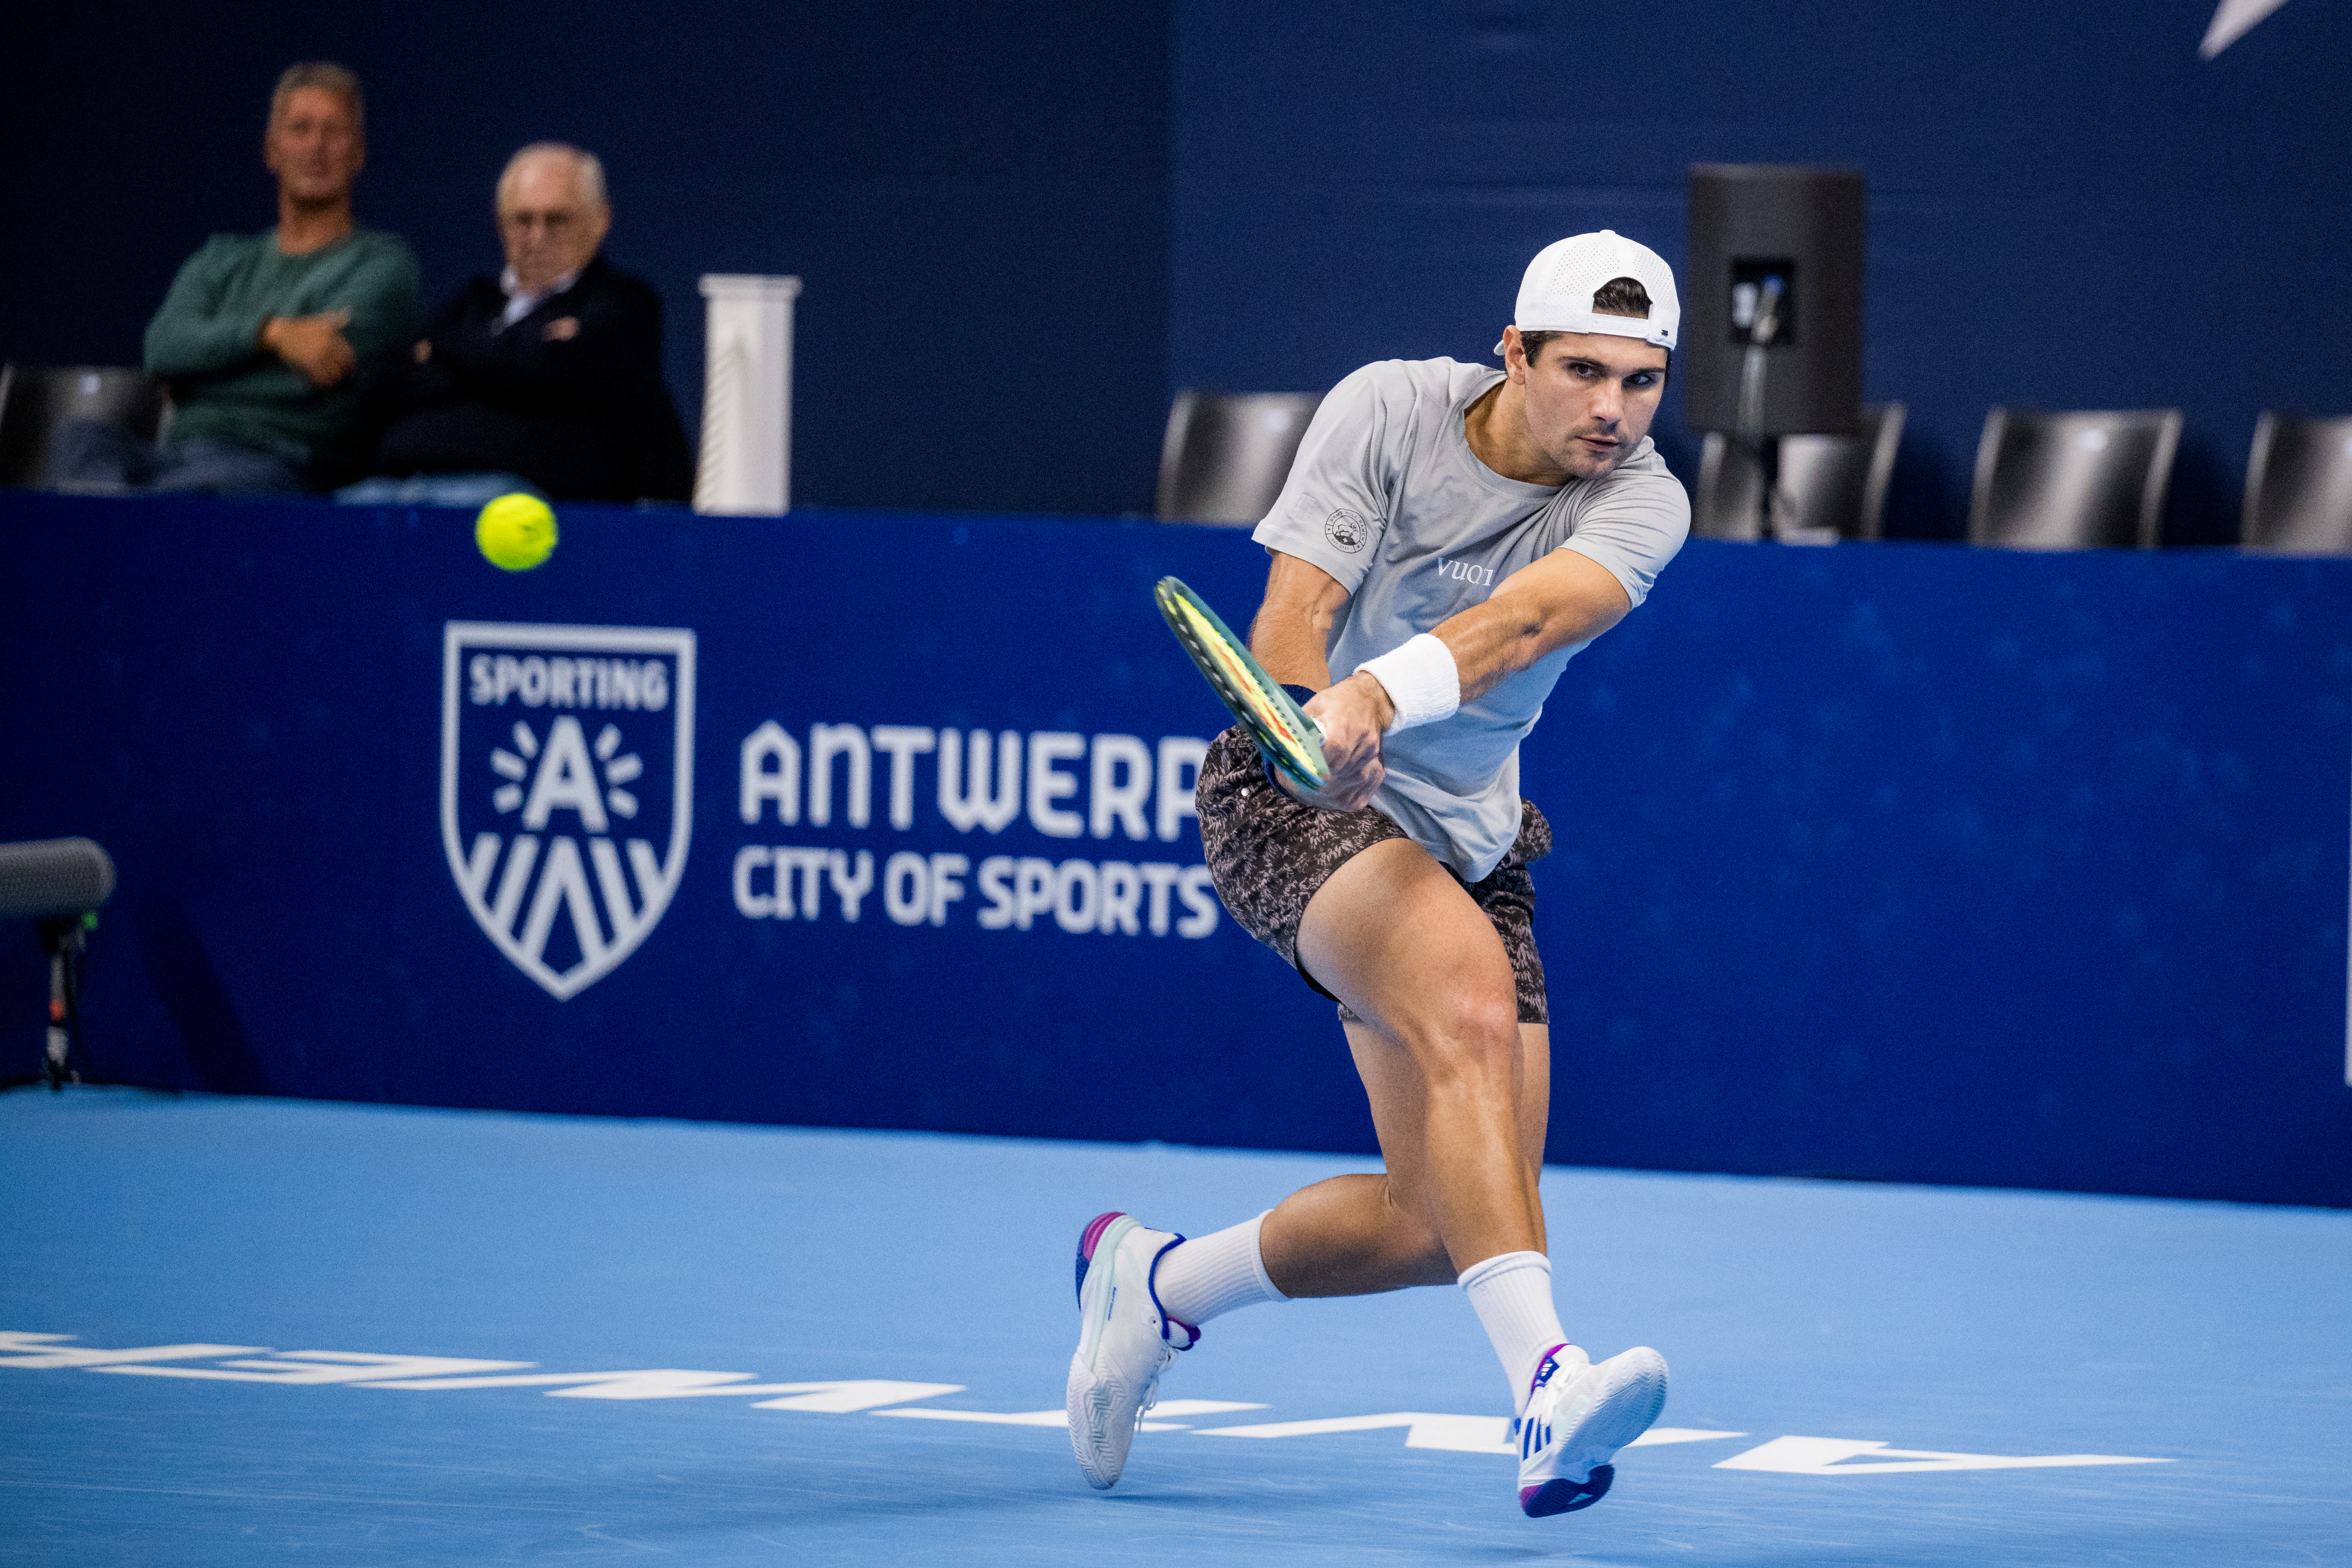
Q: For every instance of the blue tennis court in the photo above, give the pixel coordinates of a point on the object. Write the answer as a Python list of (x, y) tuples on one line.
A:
[(249, 1330)]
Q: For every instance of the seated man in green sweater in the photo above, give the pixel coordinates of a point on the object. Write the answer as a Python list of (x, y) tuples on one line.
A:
[(262, 335)]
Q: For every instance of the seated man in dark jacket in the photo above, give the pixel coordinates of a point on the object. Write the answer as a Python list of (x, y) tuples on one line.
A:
[(552, 372)]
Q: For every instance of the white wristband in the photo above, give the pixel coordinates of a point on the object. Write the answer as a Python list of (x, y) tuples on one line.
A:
[(1421, 678)]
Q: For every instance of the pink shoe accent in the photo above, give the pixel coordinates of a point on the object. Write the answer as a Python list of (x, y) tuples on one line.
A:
[(1095, 1228)]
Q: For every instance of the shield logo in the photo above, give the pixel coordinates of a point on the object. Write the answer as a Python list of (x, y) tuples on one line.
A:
[(567, 787)]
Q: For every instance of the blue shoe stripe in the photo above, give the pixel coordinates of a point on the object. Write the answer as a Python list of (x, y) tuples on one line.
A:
[(1151, 1279)]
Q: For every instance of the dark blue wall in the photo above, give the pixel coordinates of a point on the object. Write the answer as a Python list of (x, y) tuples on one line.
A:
[(989, 204), (2068, 207), (1911, 862), (976, 198)]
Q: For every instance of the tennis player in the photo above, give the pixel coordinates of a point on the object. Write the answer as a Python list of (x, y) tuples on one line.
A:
[(1450, 536)]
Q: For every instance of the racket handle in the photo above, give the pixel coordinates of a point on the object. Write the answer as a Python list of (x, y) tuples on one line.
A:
[(1302, 696)]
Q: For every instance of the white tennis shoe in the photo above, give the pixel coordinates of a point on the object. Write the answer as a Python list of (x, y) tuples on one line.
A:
[(1125, 1343), (1579, 1415)]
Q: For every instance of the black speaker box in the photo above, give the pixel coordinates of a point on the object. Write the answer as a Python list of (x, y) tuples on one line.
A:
[(1749, 223)]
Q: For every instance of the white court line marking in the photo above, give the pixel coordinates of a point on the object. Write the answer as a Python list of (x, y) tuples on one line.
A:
[(1460, 1433), (1061, 1418), (45, 1352), (1826, 1457), (993, 1417), (1456, 1434), (312, 1367), (1425, 1429)]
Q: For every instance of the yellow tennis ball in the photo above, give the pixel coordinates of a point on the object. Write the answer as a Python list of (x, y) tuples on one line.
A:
[(515, 533)]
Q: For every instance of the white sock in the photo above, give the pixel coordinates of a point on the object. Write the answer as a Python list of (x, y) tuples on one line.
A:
[(1210, 1276), (1511, 1293)]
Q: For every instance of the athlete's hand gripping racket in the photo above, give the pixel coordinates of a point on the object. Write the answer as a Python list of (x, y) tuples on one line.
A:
[(1290, 740)]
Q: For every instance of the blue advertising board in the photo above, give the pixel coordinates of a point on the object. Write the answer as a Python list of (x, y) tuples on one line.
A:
[(1910, 863)]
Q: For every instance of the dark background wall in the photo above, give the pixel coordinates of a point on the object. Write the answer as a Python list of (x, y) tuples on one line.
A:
[(976, 198), (2068, 207), (1021, 226)]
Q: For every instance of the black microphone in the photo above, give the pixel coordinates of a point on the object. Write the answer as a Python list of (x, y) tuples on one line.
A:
[(58, 884), (48, 877)]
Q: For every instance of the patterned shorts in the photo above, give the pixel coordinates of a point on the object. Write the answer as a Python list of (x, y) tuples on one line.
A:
[(1270, 853)]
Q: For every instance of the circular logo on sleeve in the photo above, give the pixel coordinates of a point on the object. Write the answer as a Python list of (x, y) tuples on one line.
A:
[(1347, 530)]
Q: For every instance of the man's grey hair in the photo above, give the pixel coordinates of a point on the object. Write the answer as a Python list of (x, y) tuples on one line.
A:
[(326, 76), (586, 170)]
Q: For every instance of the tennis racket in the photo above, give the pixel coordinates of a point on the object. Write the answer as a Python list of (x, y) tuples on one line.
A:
[(1290, 740)]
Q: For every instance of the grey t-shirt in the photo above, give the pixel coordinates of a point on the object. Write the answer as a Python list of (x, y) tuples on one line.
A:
[(1388, 498)]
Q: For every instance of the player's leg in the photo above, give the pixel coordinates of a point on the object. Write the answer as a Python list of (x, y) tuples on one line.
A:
[(1283, 867), (1351, 1235), (1446, 1085), (1212, 1275), (1482, 1065), (1436, 1039), (1458, 1084), (1535, 1112), (1268, 854), (1436, 1067)]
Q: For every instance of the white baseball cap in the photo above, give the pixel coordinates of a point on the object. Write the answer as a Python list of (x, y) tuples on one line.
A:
[(1555, 295)]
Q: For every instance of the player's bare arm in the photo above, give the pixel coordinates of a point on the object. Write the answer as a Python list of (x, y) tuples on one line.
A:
[(1290, 638), (1559, 601), (1554, 603)]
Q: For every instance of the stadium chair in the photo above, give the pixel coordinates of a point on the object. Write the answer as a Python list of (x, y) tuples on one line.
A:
[(1225, 455), (1831, 487), (2085, 480), (35, 398), (2299, 486)]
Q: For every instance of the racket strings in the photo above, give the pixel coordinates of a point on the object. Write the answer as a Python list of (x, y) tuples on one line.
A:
[(1247, 687), (1264, 709)]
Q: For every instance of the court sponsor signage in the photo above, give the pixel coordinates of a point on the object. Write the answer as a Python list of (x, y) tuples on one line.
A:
[(567, 788), (567, 810), (1133, 794)]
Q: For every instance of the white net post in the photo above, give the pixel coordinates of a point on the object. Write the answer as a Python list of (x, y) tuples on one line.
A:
[(745, 463)]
